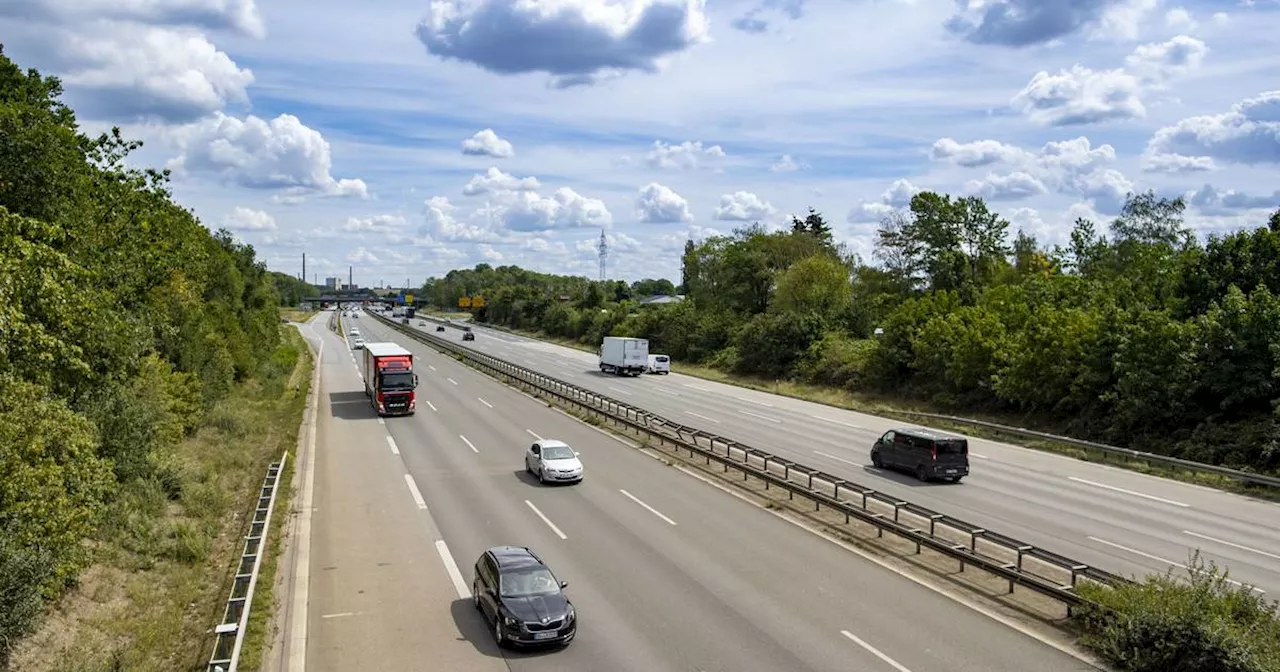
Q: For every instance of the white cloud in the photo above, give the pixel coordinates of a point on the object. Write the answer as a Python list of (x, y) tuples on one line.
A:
[(899, 194), (1160, 62), (487, 143), (1221, 18), (238, 15), (579, 42), (381, 224), (684, 155), (1210, 201), (361, 256), (246, 219), (1179, 18), (1249, 134), (743, 206), (658, 204), (1011, 187), (1020, 23), (496, 181), (440, 223), (280, 154), (1123, 20), (974, 154), (785, 164), (527, 211), (488, 253)]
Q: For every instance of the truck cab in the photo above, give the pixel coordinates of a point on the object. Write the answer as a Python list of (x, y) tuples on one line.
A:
[(389, 380)]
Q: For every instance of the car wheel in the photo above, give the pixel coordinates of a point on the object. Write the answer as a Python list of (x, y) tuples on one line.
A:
[(528, 469), (921, 473), (956, 479), (876, 459), (542, 478), (497, 631), (475, 595)]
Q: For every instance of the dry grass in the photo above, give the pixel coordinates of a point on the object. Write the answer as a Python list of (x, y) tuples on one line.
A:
[(163, 571), (295, 315)]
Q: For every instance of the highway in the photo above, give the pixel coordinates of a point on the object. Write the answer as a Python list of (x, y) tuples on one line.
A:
[(1112, 518), (666, 572)]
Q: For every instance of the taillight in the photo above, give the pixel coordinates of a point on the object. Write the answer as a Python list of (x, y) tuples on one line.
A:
[(935, 452)]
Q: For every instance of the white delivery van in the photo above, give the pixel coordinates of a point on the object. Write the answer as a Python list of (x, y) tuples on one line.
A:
[(624, 356), (659, 364)]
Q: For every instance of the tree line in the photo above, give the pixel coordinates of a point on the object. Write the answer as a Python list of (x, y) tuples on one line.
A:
[(1134, 333), (123, 320)]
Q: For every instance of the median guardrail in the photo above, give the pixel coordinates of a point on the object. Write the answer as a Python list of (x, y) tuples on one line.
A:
[(229, 634), (1115, 451), (1017, 562)]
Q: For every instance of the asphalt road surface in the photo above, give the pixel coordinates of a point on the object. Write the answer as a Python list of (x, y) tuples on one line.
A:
[(1108, 517), (666, 572)]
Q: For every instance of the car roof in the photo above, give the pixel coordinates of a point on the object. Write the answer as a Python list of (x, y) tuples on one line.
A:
[(927, 433), (547, 443), (515, 556)]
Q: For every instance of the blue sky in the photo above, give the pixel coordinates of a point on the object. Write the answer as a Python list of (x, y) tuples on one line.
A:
[(408, 138)]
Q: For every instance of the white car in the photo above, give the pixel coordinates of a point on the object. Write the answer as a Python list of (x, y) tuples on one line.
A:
[(659, 364), (354, 332), (553, 462), (357, 343)]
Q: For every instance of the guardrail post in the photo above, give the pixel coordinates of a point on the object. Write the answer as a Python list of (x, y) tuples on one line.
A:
[(973, 539), (864, 498), (932, 521), (897, 506)]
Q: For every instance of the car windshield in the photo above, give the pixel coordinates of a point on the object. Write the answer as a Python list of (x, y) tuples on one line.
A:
[(557, 453), (529, 582), (397, 381)]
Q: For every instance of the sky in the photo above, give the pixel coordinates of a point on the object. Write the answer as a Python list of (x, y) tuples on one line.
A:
[(405, 138)]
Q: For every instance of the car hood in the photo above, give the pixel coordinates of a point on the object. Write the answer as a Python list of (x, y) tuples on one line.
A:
[(563, 465), (537, 607)]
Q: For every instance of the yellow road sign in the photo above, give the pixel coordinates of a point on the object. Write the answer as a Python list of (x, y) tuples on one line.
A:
[(464, 302), (477, 302), (408, 299)]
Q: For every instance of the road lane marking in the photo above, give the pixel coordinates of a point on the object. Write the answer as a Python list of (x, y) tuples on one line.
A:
[(837, 422), (701, 416), (343, 614), (620, 390), (1160, 559), (1129, 492), (1233, 545), (433, 406), (753, 401), (413, 490), (452, 381), (875, 652), (381, 421), (762, 417), (566, 373), (431, 367), (837, 459), (395, 450), (464, 593), (650, 508), (659, 389), (485, 402), (979, 456), (533, 434), (546, 520), (297, 615), (697, 387), (469, 444)]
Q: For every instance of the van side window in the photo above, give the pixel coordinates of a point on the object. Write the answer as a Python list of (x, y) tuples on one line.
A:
[(888, 437)]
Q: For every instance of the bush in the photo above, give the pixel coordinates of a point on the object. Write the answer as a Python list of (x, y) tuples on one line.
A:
[(23, 571), (837, 359), (1203, 624)]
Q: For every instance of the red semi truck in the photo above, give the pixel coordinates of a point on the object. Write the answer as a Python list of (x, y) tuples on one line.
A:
[(389, 380)]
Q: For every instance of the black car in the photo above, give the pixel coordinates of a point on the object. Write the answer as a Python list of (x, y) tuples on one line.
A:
[(927, 454), (469, 336), (439, 327), (521, 600)]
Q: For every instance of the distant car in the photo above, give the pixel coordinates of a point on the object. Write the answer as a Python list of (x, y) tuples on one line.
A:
[(355, 331), (439, 327), (357, 344), (404, 320), (422, 323), (553, 462), (469, 336), (521, 600), (659, 364)]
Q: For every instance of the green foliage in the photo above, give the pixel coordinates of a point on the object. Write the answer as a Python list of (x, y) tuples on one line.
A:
[(122, 319), (1167, 624)]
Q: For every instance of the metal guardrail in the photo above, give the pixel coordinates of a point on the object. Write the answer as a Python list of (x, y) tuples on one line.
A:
[(229, 634), (1149, 458), (1019, 563)]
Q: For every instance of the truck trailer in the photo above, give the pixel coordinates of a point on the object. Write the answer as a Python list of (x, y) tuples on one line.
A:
[(389, 380), (624, 356)]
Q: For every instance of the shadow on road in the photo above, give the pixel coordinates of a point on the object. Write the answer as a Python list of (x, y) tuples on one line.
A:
[(532, 479), (902, 477), (475, 629), (350, 406)]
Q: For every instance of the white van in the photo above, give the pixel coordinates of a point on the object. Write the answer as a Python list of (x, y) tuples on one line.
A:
[(659, 364)]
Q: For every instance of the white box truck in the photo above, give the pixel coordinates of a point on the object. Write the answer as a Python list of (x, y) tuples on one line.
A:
[(624, 356)]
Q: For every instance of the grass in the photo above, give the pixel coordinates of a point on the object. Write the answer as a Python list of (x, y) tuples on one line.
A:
[(901, 409), (162, 569), (295, 315)]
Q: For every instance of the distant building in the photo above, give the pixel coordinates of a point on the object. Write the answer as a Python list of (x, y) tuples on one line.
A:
[(333, 283), (660, 299)]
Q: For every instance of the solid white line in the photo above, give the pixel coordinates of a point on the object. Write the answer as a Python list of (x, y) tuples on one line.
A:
[(394, 449), (1228, 543), (433, 406), (413, 490), (701, 416), (464, 593), (485, 402), (469, 444), (762, 417), (452, 381), (980, 457), (620, 390), (431, 367), (837, 459), (837, 422), (650, 508), (546, 520), (297, 650), (1158, 559), (339, 615), (534, 434), (874, 651), (1128, 492), (753, 401)]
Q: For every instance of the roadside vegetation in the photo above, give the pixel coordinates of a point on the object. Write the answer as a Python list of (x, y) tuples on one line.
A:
[(145, 384), (1144, 337)]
